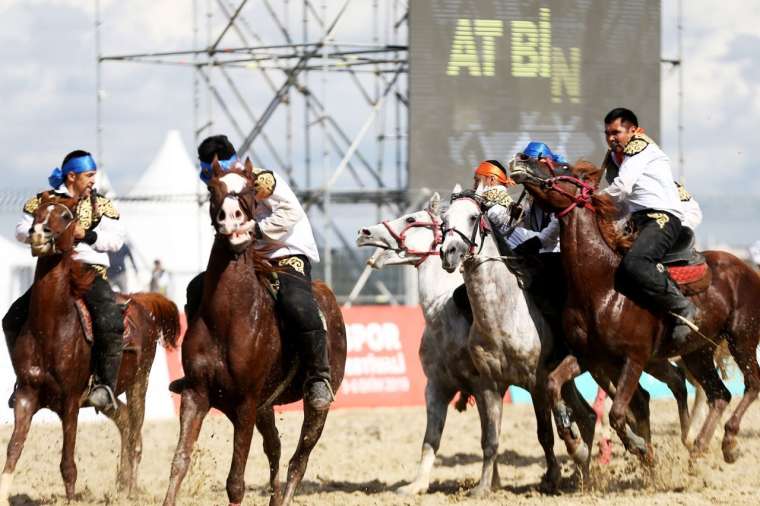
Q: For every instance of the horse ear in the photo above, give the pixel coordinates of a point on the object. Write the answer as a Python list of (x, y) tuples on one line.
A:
[(434, 206), (248, 168), (457, 188), (216, 168)]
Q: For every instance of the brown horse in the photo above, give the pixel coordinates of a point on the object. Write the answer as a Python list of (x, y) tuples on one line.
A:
[(613, 334), (235, 356), (51, 356)]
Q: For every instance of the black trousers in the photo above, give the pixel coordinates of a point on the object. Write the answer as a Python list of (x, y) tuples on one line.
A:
[(640, 274)]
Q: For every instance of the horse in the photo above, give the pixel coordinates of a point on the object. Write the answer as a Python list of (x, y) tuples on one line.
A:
[(414, 239), (51, 355), (609, 331), (510, 342), (235, 356)]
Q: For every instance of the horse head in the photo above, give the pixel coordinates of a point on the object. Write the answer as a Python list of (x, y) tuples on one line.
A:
[(556, 187), (407, 240), (231, 203), (464, 228), (52, 231)]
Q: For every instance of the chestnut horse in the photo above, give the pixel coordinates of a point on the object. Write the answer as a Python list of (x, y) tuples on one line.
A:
[(610, 332), (51, 356), (235, 356)]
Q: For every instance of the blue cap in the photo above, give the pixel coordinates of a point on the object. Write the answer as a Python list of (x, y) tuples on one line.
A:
[(536, 149), (207, 170), (76, 165)]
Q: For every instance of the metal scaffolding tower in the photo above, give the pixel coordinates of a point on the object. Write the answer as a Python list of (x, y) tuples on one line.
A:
[(306, 91)]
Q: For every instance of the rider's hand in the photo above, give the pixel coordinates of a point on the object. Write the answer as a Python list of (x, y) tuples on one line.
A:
[(79, 231)]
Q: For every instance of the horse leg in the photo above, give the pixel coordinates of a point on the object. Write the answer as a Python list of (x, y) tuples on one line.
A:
[(245, 419), (700, 363), (437, 399), (120, 418), (489, 407), (23, 410), (674, 377), (541, 407), (266, 426), (193, 409), (639, 406), (746, 359), (136, 407), (699, 410), (566, 371), (585, 418), (311, 430), (626, 388), (68, 465)]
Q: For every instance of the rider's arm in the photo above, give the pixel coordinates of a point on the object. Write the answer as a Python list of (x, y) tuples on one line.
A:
[(630, 171), (549, 236), (107, 236), (286, 212), (22, 228), (692, 213)]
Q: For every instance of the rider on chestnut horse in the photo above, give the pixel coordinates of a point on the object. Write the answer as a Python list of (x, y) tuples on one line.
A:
[(644, 184), (284, 236), (97, 232)]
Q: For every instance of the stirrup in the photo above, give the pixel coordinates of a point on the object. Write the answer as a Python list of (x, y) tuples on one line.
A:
[(685, 321), (112, 404)]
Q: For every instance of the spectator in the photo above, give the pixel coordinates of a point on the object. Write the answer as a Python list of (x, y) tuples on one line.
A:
[(159, 278), (117, 271)]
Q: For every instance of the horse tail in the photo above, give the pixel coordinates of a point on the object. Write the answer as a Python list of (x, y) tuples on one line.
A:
[(164, 316)]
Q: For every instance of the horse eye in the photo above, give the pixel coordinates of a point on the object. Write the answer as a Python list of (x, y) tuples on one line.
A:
[(410, 219)]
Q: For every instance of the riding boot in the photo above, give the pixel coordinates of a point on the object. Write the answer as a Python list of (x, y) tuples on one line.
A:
[(103, 395), (317, 390), (683, 310)]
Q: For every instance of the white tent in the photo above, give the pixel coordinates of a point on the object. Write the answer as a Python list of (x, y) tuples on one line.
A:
[(164, 220)]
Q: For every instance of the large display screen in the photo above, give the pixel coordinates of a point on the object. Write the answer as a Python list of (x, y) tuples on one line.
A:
[(488, 76)]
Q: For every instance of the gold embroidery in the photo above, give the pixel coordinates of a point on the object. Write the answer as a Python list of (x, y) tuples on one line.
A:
[(684, 195), (293, 262), (661, 218), (264, 184), (497, 196), (31, 205), (106, 208), (635, 146), (84, 213), (100, 270)]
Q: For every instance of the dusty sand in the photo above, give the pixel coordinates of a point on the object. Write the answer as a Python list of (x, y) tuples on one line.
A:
[(365, 454)]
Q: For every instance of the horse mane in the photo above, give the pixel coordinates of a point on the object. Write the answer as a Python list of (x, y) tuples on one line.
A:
[(605, 208)]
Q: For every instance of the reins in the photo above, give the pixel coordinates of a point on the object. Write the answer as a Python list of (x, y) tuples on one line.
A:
[(400, 238)]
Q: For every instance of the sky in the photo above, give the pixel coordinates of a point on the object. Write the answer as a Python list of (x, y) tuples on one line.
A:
[(47, 50)]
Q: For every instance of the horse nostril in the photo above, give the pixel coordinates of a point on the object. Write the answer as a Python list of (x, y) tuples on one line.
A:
[(365, 231), (221, 216), (238, 214)]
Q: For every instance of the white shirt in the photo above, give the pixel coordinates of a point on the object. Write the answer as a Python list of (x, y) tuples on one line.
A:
[(284, 224), (645, 181), (533, 219), (110, 237)]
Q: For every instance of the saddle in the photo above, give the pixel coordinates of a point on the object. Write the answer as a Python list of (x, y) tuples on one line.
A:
[(686, 266), (85, 319)]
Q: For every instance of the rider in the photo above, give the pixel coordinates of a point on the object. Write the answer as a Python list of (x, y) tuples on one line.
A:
[(97, 232), (644, 184), (285, 238)]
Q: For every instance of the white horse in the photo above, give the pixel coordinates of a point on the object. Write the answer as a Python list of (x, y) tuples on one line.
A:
[(414, 239), (510, 340)]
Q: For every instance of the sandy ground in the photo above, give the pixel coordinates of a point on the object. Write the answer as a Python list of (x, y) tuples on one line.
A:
[(365, 454)]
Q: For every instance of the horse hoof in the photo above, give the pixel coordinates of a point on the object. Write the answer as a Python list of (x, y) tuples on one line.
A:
[(648, 457), (730, 451), (479, 491), (412, 489), (549, 483)]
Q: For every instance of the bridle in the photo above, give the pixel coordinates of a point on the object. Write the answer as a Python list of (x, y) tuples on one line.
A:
[(52, 239), (481, 224), (581, 198), (400, 238)]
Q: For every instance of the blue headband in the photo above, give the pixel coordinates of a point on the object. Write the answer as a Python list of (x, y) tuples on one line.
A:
[(76, 165), (539, 149), (207, 171)]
